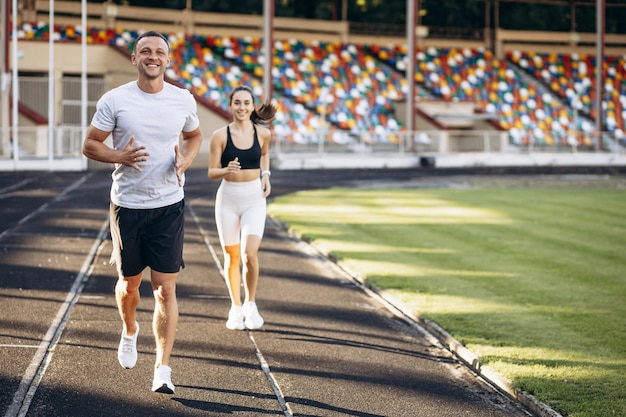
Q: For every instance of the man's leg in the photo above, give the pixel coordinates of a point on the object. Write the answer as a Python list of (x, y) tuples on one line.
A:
[(164, 325), (165, 318), (127, 297)]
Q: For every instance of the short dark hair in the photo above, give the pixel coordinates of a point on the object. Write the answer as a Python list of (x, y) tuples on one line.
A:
[(151, 33)]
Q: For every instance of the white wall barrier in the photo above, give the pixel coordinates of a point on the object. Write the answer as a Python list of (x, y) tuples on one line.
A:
[(433, 142)]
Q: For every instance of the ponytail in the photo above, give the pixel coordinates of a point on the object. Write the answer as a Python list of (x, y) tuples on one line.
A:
[(264, 115)]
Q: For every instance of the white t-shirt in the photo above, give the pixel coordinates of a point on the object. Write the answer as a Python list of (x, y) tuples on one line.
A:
[(156, 121)]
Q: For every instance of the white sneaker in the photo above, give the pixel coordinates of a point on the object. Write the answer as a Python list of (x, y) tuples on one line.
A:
[(162, 381), (252, 318), (127, 350), (235, 319)]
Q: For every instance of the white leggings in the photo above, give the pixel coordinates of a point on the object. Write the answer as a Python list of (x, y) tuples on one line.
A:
[(240, 210)]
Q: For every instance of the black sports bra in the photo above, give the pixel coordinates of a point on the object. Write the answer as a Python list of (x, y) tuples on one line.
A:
[(248, 158)]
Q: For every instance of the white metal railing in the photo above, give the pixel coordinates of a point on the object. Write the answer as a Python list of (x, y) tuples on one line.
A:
[(430, 142), (334, 141), (32, 142), (35, 148)]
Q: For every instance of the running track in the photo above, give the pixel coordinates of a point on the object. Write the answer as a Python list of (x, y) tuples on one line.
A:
[(328, 348)]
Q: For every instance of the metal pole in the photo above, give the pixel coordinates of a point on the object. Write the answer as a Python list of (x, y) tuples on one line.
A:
[(51, 84), (600, 22), (268, 43), (497, 50), (5, 144), (4, 48), (487, 34), (410, 69), (83, 73), (14, 83)]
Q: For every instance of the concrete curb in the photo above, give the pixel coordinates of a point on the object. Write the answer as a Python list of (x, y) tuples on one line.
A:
[(469, 358), (434, 333)]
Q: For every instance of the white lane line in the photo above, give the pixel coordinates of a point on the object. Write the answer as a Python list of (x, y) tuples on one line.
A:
[(270, 378), (264, 365), (8, 345), (15, 186), (210, 297), (30, 381), (44, 206)]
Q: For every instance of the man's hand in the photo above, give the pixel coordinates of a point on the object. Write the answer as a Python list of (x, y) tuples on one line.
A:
[(132, 155), (182, 163)]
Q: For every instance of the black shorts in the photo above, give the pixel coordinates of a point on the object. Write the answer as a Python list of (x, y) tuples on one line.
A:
[(148, 238)]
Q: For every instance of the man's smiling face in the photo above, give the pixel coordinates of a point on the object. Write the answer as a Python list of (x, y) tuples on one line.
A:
[(151, 57)]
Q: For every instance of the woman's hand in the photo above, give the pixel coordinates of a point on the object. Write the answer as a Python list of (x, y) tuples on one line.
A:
[(233, 166), (265, 184)]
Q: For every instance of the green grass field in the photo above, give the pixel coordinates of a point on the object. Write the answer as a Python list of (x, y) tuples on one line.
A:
[(530, 276)]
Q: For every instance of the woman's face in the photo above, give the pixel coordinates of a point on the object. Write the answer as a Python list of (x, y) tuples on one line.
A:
[(242, 105)]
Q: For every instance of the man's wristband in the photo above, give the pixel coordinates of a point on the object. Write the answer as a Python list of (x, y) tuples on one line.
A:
[(267, 172)]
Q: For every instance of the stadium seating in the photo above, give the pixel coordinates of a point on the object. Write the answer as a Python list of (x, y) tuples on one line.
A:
[(212, 66), (523, 107), (355, 88), (571, 76), (70, 33)]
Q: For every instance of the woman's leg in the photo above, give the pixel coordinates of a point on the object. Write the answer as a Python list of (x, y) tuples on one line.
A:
[(233, 275), (250, 250), (252, 229), (227, 223), (252, 318)]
